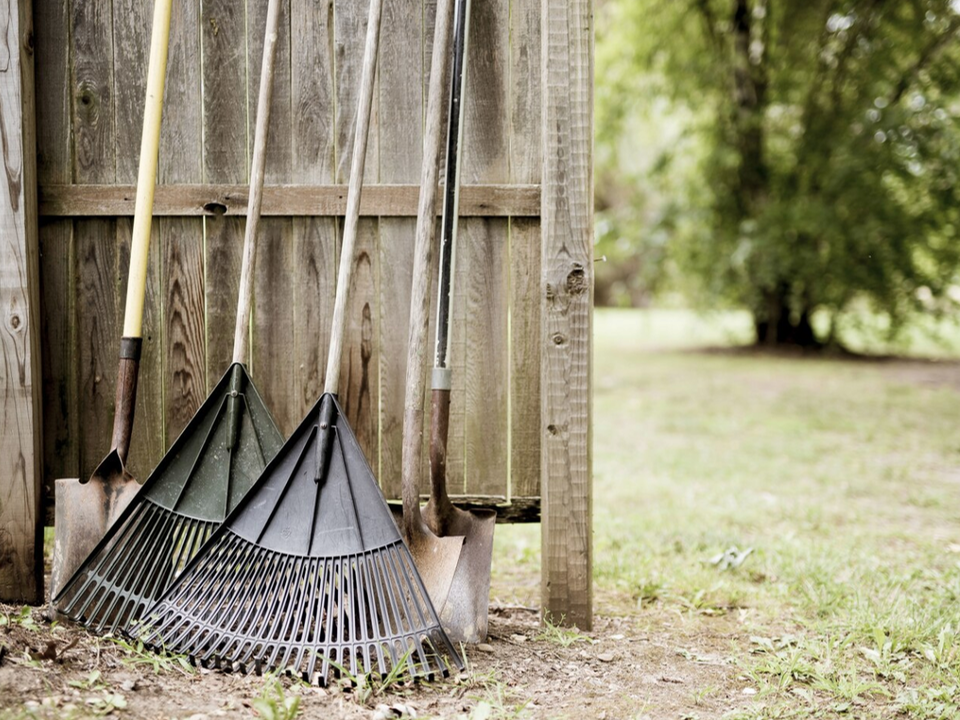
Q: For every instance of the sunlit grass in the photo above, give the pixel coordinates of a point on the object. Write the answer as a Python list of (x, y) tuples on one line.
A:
[(844, 476)]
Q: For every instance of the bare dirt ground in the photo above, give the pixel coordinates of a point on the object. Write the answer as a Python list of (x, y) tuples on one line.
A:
[(618, 671)]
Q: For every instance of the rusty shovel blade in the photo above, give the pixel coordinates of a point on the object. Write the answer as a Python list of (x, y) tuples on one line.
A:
[(84, 513), (467, 603), (85, 509)]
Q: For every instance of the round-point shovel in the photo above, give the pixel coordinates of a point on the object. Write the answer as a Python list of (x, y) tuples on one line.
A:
[(86, 508), (436, 558), (454, 550), (464, 613)]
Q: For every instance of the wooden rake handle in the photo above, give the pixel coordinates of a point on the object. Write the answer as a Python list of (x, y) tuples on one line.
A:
[(345, 275), (245, 299), (422, 260)]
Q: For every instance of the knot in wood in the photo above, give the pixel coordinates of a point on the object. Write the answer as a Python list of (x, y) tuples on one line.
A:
[(577, 280), (559, 338), (15, 321), (215, 208)]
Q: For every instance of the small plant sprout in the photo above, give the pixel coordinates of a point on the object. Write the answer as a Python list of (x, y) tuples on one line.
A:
[(561, 635), (273, 703)]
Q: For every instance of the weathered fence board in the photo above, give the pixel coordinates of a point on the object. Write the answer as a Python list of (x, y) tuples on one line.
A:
[(518, 406), (21, 536), (567, 287)]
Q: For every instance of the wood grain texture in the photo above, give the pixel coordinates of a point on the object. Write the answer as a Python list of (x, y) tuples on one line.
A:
[(180, 239), (483, 250), (359, 386), (272, 363), (21, 522), (401, 149), (525, 166), (567, 287), (225, 142), (94, 156), (315, 239), (316, 200), (131, 40), (61, 447)]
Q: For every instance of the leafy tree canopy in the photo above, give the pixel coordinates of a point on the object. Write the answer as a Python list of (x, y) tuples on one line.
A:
[(792, 157)]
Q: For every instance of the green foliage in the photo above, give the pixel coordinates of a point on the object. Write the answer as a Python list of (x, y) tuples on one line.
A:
[(780, 156)]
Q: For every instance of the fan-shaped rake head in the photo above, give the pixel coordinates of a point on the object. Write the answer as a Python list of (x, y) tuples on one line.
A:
[(204, 475), (308, 575)]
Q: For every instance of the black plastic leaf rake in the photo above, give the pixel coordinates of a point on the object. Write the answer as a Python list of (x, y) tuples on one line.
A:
[(306, 575), (309, 574), (206, 472)]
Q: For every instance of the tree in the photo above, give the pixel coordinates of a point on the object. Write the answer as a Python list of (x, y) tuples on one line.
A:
[(827, 149)]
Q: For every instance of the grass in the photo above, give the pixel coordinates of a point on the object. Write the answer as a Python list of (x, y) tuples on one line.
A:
[(844, 478)]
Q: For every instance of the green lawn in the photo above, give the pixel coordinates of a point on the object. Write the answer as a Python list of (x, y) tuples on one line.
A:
[(842, 475)]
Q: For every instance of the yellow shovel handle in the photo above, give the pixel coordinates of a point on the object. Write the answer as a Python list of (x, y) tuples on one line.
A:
[(147, 176)]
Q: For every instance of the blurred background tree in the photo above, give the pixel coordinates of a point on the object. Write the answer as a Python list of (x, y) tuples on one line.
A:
[(797, 159)]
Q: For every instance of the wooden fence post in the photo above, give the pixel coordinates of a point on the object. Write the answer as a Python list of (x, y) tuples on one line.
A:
[(21, 524), (566, 310)]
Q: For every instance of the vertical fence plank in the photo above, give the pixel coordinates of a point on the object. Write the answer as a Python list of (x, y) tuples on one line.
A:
[(359, 384), (567, 276), (21, 525), (525, 164), (131, 40), (224, 37), (315, 239), (94, 157), (272, 363), (401, 143), (181, 239), (483, 251), (61, 447)]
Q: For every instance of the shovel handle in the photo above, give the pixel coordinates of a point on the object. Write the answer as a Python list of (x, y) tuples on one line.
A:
[(147, 175), (439, 430), (126, 400)]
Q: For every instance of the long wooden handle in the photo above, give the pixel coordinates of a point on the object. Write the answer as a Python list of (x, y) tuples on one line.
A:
[(332, 378), (147, 176), (422, 260), (245, 299)]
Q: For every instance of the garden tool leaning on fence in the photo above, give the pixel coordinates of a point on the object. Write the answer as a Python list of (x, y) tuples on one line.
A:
[(436, 558), (86, 508), (463, 607), (209, 468), (309, 572), (453, 549), (464, 614)]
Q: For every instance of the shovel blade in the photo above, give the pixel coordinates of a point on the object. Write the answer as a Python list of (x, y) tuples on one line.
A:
[(84, 513), (464, 612)]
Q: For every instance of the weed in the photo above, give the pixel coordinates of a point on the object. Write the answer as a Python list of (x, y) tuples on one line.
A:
[(561, 635), (273, 703), (159, 662)]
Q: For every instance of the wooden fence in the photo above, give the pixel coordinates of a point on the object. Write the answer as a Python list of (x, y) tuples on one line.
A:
[(521, 346)]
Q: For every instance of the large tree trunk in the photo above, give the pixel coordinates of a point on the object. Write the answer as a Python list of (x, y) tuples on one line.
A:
[(776, 323)]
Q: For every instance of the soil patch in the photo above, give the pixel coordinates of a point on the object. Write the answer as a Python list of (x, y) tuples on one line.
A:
[(618, 671)]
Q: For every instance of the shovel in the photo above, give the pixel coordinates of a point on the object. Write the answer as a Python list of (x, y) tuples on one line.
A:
[(436, 558), (86, 508), (453, 550), (464, 613)]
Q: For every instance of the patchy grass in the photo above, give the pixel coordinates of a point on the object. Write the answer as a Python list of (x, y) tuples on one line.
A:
[(842, 475)]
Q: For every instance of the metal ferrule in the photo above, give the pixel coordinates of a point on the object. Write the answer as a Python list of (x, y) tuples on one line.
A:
[(441, 379), (130, 348)]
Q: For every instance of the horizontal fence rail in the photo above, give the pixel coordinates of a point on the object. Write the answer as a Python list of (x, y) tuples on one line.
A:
[(280, 200)]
